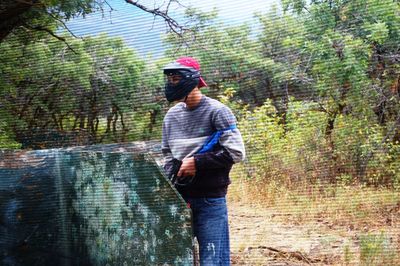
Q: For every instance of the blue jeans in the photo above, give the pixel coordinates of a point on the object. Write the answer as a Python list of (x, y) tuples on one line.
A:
[(210, 225)]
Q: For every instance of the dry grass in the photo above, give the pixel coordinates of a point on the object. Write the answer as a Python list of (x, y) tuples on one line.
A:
[(367, 217), (352, 206)]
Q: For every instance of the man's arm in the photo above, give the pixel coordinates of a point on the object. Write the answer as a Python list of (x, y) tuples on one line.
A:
[(166, 151), (231, 141), (213, 159)]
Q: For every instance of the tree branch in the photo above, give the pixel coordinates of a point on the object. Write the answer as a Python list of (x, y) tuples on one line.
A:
[(172, 23), (64, 25), (40, 28)]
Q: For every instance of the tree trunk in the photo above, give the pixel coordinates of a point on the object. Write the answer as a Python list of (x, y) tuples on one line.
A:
[(114, 122), (124, 129), (153, 120), (330, 126)]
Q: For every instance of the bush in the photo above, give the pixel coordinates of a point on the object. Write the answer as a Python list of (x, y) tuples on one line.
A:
[(298, 151)]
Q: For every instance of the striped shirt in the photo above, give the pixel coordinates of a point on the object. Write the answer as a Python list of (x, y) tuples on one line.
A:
[(184, 133)]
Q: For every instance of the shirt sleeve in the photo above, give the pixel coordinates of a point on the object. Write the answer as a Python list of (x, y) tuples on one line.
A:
[(231, 141), (166, 151)]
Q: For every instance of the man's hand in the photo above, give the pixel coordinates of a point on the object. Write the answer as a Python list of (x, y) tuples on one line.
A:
[(188, 167)]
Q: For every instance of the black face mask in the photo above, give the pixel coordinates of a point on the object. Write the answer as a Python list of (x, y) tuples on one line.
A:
[(189, 81)]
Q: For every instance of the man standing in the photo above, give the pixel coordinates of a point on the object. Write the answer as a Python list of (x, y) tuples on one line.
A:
[(200, 134)]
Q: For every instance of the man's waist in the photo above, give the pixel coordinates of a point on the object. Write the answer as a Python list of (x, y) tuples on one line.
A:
[(195, 192), (209, 183)]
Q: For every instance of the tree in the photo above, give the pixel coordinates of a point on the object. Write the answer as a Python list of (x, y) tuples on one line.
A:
[(89, 75), (290, 62), (228, 54), (42, 15), (47, 88), (337, 57), (353, 46), (374, 27), (271, 66)]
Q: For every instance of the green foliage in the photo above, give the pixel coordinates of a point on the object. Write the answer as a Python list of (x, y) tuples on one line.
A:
[(94, 82), (296, 5), (6, 139), (70, 9), (31, 21), (378, 32), (284, 154), (299, 150), (318, 78), (264, 140), (227, 55), (316, 90), (306, 150), (384, 167), (377, 250), (348, 256)]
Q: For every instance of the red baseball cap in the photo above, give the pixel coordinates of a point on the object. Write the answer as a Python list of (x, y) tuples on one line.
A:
[(187, 63)]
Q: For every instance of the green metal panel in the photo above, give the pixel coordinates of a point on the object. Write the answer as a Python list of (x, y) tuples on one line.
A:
[(103, 205)]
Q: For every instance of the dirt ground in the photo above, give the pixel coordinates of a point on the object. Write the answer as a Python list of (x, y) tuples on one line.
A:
[(261, 236)]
